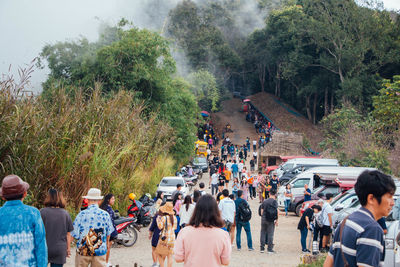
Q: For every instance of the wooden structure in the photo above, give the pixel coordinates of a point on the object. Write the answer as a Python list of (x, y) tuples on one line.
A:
[(282, 144)]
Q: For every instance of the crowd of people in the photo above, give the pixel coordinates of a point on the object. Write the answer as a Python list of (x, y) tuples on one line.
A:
[(192, 226)]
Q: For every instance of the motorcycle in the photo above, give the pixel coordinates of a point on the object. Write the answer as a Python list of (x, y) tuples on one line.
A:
[(188, 178), (127, 229), (141, 210)]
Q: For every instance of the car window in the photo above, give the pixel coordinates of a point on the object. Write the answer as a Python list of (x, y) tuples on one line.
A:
[(317, 189), (199, 160), (351, 199), (301, 182), (171, 182), (287, 166), (332, 190)]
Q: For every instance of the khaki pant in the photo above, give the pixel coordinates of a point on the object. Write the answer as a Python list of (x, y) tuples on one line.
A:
[(94, 261)]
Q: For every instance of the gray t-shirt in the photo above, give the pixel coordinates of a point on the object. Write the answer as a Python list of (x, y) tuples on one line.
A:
[(268, 202), (57, 223)]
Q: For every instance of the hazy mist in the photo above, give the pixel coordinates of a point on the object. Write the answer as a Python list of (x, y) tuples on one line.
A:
[(27, 25)]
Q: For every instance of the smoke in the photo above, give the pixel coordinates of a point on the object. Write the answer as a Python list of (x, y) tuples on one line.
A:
[(27, 26)]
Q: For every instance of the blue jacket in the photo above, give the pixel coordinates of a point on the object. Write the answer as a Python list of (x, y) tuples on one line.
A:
[(22, 236)]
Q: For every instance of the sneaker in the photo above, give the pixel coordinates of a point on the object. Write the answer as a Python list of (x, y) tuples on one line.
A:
[(262, 250), (238, 249), (271, 251), (251, 249)]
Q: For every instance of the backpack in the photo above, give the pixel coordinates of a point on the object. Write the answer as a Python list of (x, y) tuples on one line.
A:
[(271, 213), (244, 211)]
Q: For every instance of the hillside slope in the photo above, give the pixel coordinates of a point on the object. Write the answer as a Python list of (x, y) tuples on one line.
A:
[(287, 118)]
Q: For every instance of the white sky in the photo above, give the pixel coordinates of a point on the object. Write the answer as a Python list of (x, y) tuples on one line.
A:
[(27, 25)]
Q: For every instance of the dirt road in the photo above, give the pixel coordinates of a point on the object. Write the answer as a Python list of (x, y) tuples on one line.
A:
[(287, 237)]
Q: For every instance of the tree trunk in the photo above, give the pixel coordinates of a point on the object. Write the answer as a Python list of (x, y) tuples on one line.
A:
[(308, 108), (261, 76), (315, 109), (332, 107), (326, 107)]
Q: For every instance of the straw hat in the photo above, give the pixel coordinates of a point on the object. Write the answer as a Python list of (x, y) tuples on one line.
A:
[(13, 186), (167, 208), (94, 194)]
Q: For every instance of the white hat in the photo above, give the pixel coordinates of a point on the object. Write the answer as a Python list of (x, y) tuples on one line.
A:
[(94, 194)]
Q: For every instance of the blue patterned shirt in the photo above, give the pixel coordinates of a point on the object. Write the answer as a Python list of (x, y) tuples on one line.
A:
[(22, 236), (91, 228)]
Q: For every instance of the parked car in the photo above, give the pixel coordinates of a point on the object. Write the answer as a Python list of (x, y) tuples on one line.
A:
[(343, 210), (290, 164), (288, 175), (168, 185), (321, 193), (200, 163), (315, 177)]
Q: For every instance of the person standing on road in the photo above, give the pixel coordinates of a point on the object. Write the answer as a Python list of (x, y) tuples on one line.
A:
[(58, 226), (359, 239), (92, 230), (227, 208), (214, 183), (22, 233), (254, 145), (274, 183), (201, 188), (255, 156), (186, 211), (221, 182), (269, 219), (235, 187), (178, 190), (305, 225), (235, 169), (327, 227), (248, 143), (108, 201), (307, 193), (167, 223), (203, 242), (288, 198), (252, 165), (242, 218)]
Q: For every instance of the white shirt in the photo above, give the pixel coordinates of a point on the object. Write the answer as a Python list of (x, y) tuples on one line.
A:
[(227, 208), (184, 214), (254, 143), (208, 151), (326, 209), (229, 166), (240, 167), (214, 178), (255, 154), (202, 192)]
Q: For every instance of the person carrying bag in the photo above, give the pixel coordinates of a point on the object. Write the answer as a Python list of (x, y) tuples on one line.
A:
[(167, 223)]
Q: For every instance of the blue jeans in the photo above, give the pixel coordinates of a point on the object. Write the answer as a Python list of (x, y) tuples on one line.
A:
[(287, 204), (214, 189), (246, 226), (303, 239)]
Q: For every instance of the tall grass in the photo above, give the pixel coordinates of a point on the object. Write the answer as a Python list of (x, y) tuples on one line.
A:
[(74, 143)]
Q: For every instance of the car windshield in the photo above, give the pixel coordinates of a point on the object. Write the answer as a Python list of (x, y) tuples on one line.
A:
[(287, 166), (200, 160), (317, 189), (170, 182)]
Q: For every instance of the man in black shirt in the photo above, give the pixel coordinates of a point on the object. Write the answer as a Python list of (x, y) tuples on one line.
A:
[(269, 219), (274, 182), (304, 225)]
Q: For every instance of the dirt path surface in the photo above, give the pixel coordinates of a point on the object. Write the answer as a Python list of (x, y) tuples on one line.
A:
[(286, 239)]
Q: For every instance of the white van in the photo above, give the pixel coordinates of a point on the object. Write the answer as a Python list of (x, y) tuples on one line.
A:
[(307, 177), (293, 163)]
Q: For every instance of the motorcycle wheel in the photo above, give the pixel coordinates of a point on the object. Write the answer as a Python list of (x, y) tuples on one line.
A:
[(132, 234)]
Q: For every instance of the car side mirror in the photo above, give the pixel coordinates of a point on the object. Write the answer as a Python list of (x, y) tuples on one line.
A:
[(339, 207)]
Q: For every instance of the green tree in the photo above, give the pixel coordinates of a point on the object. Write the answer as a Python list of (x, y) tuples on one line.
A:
[(205, 89)]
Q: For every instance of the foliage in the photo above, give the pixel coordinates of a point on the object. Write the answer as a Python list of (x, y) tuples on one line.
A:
[(127, 59), (73, 143), (318, 263), (350, 137), (205, 89), (387, 106)]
